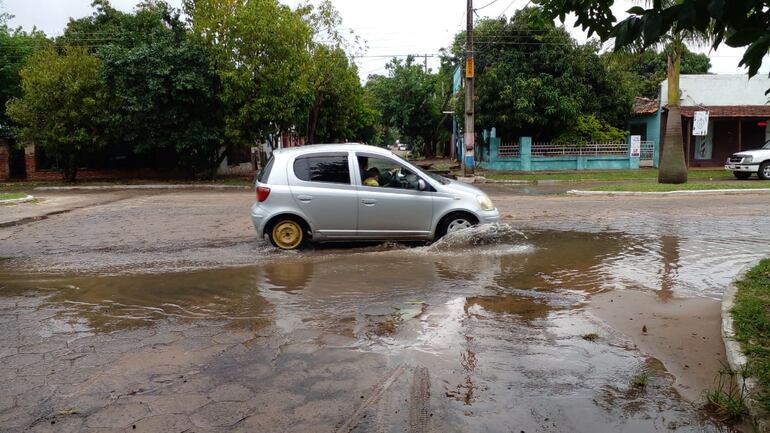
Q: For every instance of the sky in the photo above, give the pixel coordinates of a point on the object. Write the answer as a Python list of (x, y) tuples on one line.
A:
[(390, 27)]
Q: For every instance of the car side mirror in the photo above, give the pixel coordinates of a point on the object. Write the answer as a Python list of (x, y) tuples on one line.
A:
[(421, 185)]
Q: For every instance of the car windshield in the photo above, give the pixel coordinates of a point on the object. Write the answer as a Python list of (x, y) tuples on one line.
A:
[(440, 179), (767, 145)]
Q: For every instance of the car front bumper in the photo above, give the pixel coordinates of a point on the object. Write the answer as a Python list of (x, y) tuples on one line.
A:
[(753, 168), (489, 216)]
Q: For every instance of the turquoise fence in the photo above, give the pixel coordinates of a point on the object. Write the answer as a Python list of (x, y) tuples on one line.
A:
[(526, 156)]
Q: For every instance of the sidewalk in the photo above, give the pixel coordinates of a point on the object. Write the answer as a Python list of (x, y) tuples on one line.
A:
[(52, 204)]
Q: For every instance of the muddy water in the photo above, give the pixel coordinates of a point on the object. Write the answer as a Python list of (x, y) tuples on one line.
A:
[(491, 330)]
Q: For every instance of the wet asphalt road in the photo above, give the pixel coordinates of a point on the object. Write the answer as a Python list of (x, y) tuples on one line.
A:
[(162, 312)]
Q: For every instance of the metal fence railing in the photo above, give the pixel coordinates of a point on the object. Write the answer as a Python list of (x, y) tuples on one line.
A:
[(647, 150), (508, 150), (588, 149)]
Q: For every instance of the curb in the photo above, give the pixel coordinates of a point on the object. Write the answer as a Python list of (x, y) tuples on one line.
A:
[(17, 200), (735, 357), (138, 187), (669, 193)]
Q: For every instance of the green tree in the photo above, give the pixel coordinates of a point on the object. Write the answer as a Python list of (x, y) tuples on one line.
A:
[(58, 107), (407, 101), (533, 79), (258, 48), (335, 109), (16, 46), (645, 70), (674, 23), (743, 23), (159, 92)]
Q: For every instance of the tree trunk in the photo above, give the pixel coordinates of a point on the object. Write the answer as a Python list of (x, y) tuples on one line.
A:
[(673, 168)]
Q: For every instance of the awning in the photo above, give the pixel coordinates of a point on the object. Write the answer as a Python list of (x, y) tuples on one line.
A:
[(730, 111)]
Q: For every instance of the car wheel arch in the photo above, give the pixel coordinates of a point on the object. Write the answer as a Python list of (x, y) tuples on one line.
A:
[(277, 217), (447, 214)]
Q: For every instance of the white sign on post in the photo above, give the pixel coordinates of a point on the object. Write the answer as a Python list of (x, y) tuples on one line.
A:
[(636, 146), (700, 124)]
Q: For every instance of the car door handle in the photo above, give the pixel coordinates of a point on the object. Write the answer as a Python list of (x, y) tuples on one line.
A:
[(304, 198), (369, 201)]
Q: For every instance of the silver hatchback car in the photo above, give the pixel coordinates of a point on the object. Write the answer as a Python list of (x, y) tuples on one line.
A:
[(348, 192)]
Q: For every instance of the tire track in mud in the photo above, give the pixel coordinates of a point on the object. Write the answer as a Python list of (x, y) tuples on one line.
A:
[(377, 392), (419, 403)]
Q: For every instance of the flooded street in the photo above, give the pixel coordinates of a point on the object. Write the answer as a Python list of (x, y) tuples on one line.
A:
[(163, 312)]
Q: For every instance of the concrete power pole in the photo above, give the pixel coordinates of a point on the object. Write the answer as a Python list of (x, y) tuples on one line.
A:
[(469, 135)]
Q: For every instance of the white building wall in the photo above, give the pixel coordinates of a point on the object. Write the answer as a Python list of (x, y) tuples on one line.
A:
[(719, 90)]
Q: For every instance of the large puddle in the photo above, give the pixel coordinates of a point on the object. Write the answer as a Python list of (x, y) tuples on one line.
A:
[(498, 318)]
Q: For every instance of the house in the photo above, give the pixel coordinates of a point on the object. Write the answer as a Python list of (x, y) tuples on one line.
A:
[(738, 116)]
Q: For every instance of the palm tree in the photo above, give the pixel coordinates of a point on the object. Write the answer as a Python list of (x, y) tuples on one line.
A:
[(673, 168)]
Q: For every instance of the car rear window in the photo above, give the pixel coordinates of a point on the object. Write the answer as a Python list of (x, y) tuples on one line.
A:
[(323, 168), (264, 174)]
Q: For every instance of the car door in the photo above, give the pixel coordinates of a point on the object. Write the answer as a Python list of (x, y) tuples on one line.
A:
[(321, 185), (390, 204)]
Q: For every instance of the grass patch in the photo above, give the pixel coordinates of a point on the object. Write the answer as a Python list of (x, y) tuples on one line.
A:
[(614, 175), (751, 316), (640, 380), (692, 186), (591, 336), (12, 195), (727, 401)]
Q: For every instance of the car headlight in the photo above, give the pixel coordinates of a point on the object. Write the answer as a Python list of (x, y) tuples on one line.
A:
[(485, 202), (747, 159)]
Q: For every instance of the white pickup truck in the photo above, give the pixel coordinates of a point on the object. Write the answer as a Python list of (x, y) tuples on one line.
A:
[(743, 164)]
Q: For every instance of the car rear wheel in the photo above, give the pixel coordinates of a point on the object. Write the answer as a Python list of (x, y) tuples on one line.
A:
[(764, 171), (742, 175), (287, 233), (454, 222)]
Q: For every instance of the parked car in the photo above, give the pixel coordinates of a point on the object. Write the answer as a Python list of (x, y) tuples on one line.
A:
[(744, 164), (349, 192)]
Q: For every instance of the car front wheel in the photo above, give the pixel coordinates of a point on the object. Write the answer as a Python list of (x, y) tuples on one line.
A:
[(454, 222), (742, 175), (764, 171)]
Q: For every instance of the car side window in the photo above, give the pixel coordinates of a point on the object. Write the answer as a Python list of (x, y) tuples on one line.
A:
[(323, 168), (386, 173)]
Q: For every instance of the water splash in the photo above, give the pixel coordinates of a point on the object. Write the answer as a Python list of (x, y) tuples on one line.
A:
[(483, 235)]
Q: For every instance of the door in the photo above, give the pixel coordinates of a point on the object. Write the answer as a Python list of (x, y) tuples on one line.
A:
[(390, 202), (321, 186)]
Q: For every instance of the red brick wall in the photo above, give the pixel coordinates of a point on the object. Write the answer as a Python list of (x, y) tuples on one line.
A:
[(87, 174), (30, 159), (5, 160)]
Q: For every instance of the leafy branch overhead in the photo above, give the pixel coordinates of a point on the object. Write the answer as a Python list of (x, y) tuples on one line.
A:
[(744, 23)]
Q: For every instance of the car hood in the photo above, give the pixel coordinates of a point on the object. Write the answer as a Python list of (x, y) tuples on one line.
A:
[(755, 152), (458, 187)]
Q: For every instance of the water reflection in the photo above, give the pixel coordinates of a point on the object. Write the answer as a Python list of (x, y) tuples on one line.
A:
[(495, 269)]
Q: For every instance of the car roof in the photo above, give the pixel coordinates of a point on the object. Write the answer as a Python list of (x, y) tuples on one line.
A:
[(342, 147)]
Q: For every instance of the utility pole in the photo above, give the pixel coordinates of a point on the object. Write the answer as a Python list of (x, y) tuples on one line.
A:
[(470, 137)]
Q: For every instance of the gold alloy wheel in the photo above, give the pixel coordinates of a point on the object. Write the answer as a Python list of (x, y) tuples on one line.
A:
[(287, 234)]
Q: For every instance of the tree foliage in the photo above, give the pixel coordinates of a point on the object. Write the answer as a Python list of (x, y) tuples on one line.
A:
[(408, 101), (533, 79), (334, 108), (644, 71), (16, 46), (158, 94), (58, 109), (259, 50), (744, 23)]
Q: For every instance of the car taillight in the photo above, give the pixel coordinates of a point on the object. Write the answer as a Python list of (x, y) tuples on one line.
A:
[(262, 193)]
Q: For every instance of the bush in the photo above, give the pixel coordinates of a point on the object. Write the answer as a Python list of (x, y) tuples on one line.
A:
[(589, 129)]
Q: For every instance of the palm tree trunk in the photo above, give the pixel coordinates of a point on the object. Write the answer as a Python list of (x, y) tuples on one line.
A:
[(673, 168)]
